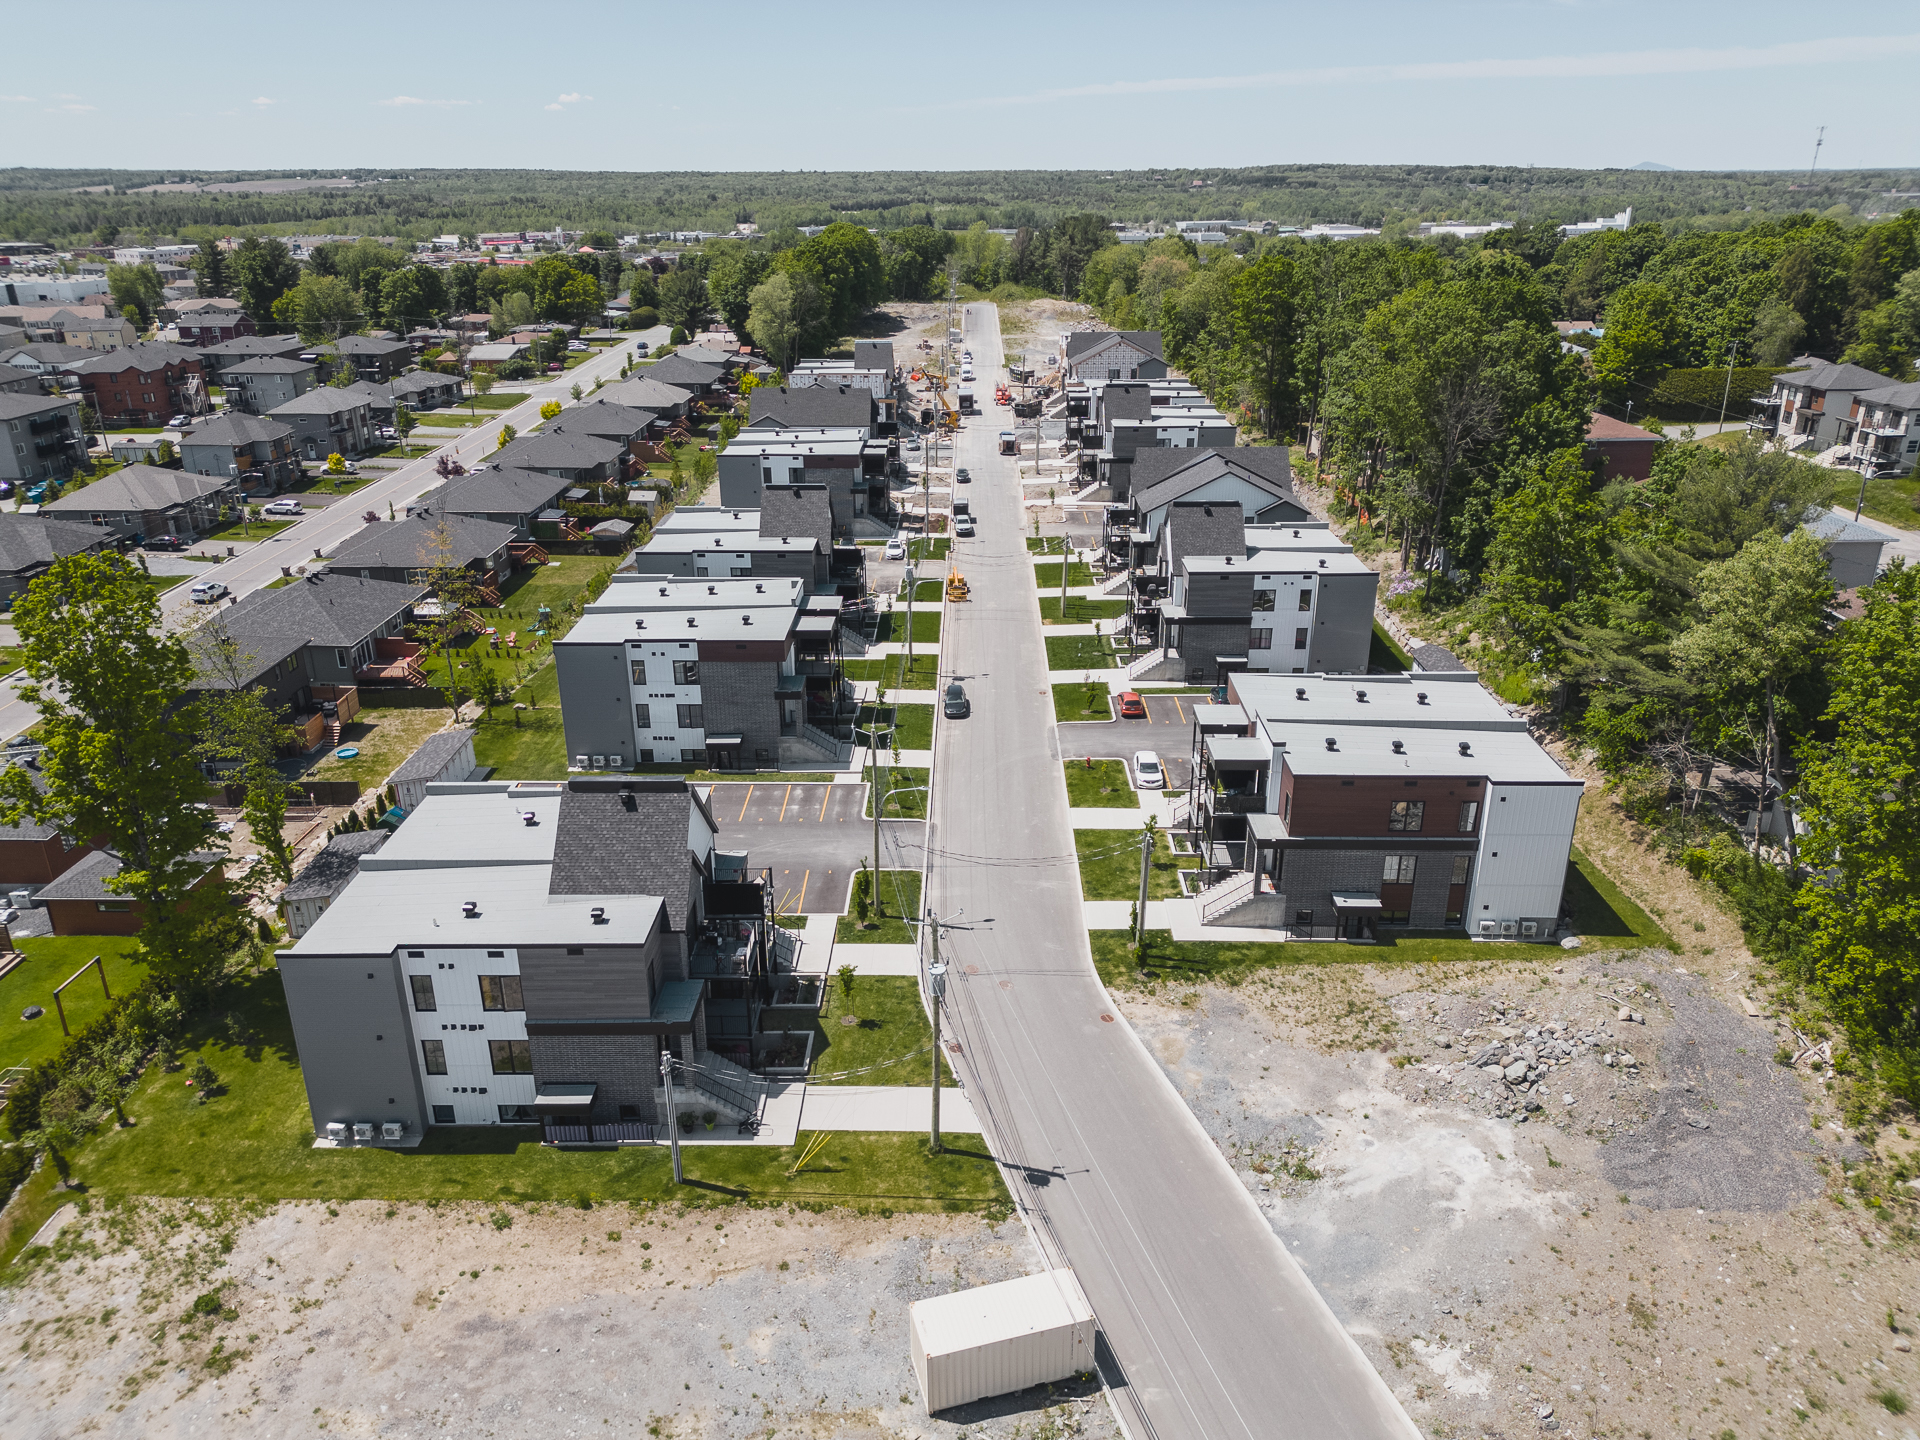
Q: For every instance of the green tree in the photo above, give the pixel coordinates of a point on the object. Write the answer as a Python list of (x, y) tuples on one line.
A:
[(210, 270), (262, 271), (110, 684), (323, 307), (1266, 327), (412, 297), (1551, 556), (454, 590), (683, 299), (1641, 340), (733, 272), (405, 422), (136, 288), (510, 312), (240, 732), (507, 436), (1861, 794), (1775, 337), (784, 308)]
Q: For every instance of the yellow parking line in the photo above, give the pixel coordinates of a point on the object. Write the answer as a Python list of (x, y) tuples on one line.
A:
[(744, 803), (823, 801), (1178, 711), (800, 904), (783, 802)]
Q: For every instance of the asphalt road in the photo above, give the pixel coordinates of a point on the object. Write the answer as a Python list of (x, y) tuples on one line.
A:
[(813, 837), (1210, 1331)]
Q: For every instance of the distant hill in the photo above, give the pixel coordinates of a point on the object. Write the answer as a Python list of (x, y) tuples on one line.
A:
[(1650, 165)]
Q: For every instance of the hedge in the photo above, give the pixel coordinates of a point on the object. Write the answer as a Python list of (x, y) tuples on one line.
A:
[(1695, 395)]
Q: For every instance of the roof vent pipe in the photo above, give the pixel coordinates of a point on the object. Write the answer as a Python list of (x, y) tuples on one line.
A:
[(599, 913), (1299, 692), (1399, 747), (1465, 748), (1361, 696), (470, 909), (1332, 744), (1420, 697), (527, 817)]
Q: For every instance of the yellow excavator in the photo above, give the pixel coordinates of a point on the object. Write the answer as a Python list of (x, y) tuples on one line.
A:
[(949, 417), (957, 588)]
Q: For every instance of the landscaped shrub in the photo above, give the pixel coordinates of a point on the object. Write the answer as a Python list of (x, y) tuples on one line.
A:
[(111, 1044), (679, 335), (1695, 395), (15, 1165)]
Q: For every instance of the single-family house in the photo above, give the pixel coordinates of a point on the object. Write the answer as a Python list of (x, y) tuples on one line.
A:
[(79, 902), (45, 358), (408, 550), (143, 384), (643, 392), (325, 630), (561, 450), (425, 390), (506, 496), (812, 407), (256, 450), (39, 438), (255, 386), (31, 854), (492, 356), (146, 500), (29, 544), (700, 377), (327, 421)]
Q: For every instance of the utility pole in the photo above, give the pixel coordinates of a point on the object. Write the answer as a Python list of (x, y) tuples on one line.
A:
[(1146, 862), (936, 990), (911, 586), (1733, 347), (673, 1121)]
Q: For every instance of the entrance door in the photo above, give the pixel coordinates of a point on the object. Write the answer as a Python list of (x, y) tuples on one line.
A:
[(789, 717), (723, 757)]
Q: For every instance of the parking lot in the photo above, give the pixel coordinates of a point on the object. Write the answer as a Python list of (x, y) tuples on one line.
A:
[(812, 836), (1167, 731)]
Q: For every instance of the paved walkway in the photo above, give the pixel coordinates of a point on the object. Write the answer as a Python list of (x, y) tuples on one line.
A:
[(886, 1107), (1181, 916)]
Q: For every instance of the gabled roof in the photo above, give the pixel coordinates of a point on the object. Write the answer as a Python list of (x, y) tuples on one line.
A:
[(1826, 375), (46, 352), (1899, 397), (430, 758), (15, 406), (88, 879), (268, 365), (678, 368), (415, 381), (326, 608), (142, 355), (416, 542), (1200, 528), (140, 487), (255, 345), (810, 407), (507, 491), (233, 429), (1162, 474), (30, 540), (558, 446), (603, 418), (1085, 342), (1601, 428), (626, 842), (323, 400), (351, 345)]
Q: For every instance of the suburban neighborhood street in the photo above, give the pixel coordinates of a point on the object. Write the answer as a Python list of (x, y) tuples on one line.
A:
[(1211, 1330)]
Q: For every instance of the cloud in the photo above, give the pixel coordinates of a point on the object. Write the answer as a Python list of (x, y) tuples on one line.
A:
[(17, 99), (1607, 64), (262, 100), (566, 100), (71, 109), (416, 100)]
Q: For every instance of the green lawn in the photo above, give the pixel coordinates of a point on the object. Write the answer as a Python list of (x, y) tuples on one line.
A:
[(163, 583), (913, 724), (407, 452), (498, 400), (1080, 612), (1100, 784), (51, 959), (326, 484), (9, 659), (1601, 913), (893, 671), (929, 547), (250, 529), (1079, 652), (896, 888), (526, 744), (927, 592), (1082, 702), (384, 737), (254, 1141), (926, 627), (1891, 502), (1110, 865), (890, 1023), (910, 806), (1047, 577)]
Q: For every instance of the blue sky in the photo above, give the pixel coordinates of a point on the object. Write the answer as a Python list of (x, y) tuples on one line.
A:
[(751, 86)]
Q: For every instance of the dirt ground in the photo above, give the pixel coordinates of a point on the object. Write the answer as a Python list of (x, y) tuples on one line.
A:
[(1664, 1247), (367, 1319)]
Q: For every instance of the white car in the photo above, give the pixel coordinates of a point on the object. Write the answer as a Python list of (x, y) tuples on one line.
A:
[(577, 345), (896, 549), (287, 506), (1147, 774), (208, 592), (963, 526)]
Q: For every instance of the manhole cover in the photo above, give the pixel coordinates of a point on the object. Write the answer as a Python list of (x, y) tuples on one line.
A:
[(973, 969), (1107, 1018), (849, 1019)]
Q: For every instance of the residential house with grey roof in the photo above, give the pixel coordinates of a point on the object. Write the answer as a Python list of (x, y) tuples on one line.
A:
[(256, 450), (81, 902), (327, 421), (407, 550), (643, 392), (216, 358), (257, 385), (812, 407), (372, 358), (699, 377), (40, 438), (326, 628), (535, 950), (29, 544), (1810, 407), (146, 500), (31, 854), (562, 450), (1886, 436), (507, 496), (45, 358), (207, 325), (1112, 355)]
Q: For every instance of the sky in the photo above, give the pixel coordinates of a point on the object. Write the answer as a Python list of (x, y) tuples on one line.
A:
[(1698, 84)]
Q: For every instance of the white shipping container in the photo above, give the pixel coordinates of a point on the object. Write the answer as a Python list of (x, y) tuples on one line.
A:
[(996, 1339)]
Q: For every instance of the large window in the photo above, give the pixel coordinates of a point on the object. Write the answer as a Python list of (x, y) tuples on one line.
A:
[(518, 1115), (686, 672), (1263, 600), (422, 992), (1300, 638), (1260, 639), (1469, 813), (500, 992), (639, 672), (443, 1114), (642, 716), (434, 1053), (510, 1057), (1398, 870), (1462, 867), (1407, 815), (692, 717), (1306, 599)]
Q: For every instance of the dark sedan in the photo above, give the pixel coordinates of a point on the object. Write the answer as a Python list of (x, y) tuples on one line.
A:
[(958, 706)]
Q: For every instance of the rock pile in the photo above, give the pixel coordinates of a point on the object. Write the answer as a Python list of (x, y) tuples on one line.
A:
[(1512, 1068)]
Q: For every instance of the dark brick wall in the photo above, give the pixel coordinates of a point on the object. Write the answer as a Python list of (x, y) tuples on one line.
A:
[(626, 1067), (1327, 805), (1202, 645), (739, 699), (1308, 879)]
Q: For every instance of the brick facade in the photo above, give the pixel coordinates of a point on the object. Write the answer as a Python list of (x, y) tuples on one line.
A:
[(739, 699), (627, 1068)]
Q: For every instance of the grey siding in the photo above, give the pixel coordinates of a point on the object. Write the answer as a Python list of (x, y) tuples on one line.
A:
[(739, 477), (616, 983), (354, 1039), (1202, 644), (1343, 630), (596, 702), (626, 1067)]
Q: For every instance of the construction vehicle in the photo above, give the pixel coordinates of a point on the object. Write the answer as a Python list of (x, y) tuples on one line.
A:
[(956, 587)]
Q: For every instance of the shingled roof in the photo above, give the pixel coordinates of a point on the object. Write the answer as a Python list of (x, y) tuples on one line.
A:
[(629, 839)]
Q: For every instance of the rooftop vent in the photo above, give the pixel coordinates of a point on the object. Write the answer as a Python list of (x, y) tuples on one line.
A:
[(663, 589), (1399, 747), (712, 590), (1420, 697), (1332, 744), (746, 619), (1299, 692), (1465, 748), (692, 621), (599, 913), (1296, 534), (470, 908), (1323, 564), (758, 588), (1361, 696), (527, 817), (640, 624), (627, 802), (736, 514)]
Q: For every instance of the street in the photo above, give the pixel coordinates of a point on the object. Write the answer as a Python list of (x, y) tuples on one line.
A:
[(1210, 1330)]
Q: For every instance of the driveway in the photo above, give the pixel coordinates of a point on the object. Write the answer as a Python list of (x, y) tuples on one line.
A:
[(812, 836), (1167, 731)]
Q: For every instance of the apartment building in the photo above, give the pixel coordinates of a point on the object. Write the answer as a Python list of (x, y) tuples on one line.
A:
[(852, 467), (1126, 417), (148, 500), (734, 674), (253, 449), (40, 438), (789, 538), (262, 383), (143, 384), (327, 421), (1811, 406), (1334, 806), (1112, 355), (1886, 433)]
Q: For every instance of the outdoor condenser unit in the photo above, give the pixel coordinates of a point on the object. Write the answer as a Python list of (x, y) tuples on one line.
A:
[(1488, 927), (1529, 927)]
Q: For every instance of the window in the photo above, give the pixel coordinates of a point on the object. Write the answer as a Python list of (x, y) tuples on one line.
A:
[(692, 717), (738, 570), (1306, 599), (510, 1057), (443, 1114), (1469, 813), (434, 1052), (1462, 867), (1300, 638), (1407, 815), (1286, 808), (1263, 600), (114, 907), (692, 755), (686, 672), (1398, 870), (500, 992), (642, 716), (1260, 639), (422, 992), (518, 1115), (340, 659), (639, 672)]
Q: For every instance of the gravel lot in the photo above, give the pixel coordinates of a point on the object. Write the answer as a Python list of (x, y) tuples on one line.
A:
[(1602, 1268), (365, 1319)]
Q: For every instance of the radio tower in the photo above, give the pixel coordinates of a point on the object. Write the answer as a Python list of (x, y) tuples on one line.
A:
[(1818, 140)]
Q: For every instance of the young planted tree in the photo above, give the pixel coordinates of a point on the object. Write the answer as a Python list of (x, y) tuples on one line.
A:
[(454, 589), (119, 735), (405, 422)]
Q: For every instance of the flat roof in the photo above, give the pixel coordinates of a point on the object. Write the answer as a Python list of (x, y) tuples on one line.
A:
[(382, 910), (484, 826), (613, 627), (709, 517), (989, 1314), (1334, 562), (1243, 748), (1503, 756), (1425, 701), (737, 542), (633, 594)]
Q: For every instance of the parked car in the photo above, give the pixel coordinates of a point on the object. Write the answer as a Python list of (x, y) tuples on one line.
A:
[(913, 443), (177, 421), (958, 707), (963, 526), (21, 742), (577, 345), (555, 368), (1132, 707), (640, 349), (1147, 773), (286, 505), (896, 549), (963, 476), (166, 542), (208, 592)]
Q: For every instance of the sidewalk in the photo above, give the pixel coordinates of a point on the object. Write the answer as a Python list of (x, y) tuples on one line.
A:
[(1181, 916), (886, 1107)]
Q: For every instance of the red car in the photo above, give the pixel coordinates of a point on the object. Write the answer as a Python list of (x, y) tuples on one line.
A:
[(1132, 707)]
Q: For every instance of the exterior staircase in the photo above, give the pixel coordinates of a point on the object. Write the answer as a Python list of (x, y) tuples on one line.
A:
[(1242, 900), (736, 1096), (1154, 665)]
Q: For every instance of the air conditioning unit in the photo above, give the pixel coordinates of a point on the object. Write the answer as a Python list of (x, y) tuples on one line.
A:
[(337, 1132), (1488, 927), (1507, 927), (616, 762), (1529, 928), (392, 1129), (579, 762), (599, 762), (363, 1132)]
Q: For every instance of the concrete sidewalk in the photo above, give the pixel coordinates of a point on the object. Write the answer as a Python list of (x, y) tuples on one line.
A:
[(1181, 916), (870, 1108)]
